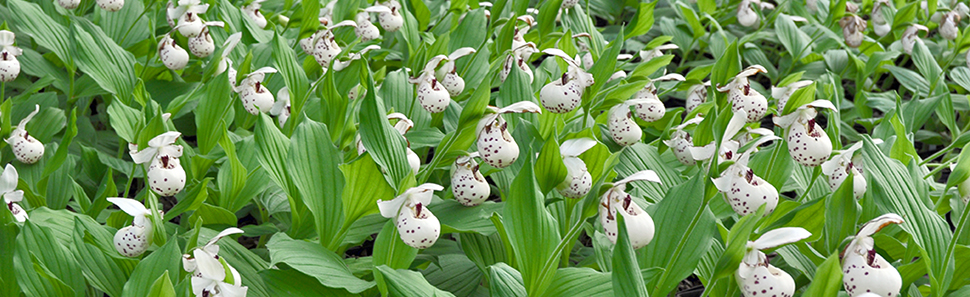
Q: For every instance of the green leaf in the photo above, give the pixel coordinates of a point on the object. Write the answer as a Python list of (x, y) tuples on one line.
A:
[(62, 149), (214, 112), (727, 66), (801, 97), (828, 278), (103, 272), (643, 20), (29, 18), (736, 240), (293, 283), (162, 287), (532, 230), (841, 214), (627, 280), (125, 120), (107, 63), (214, 215), (798, 44), (365, 185), (55, 260), (382, 141), (573, 281), (505, 281), (403, 282), (316, 261), (550, 170), (158, 263), (296, 80), (313, 164)]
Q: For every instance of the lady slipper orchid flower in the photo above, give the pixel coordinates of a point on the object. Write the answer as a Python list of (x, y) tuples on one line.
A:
[(132, 241), (324, 45), (567, 4), (910, 36), (747, 16), (448, 74), (864, 270), (564, 94), (578, 181), (339, 65), (431, 94), (252, 12), (25, 147), (403, 125), (418, 227), (743, 97), (649, 54), (9, 65), (365, 28), (843, 164), (518, 38), (495, 143), (254, 95), (281, 109), (623, 130), (172, 55), (518, 57), (69, 4), (165, 174), (948, 26), (683, 147), (808, 143), (190, 24), (202, 45), (744, 190), (639, 224), (225, 63), (467, 183), (8, 189), (111, 5), (853, 28), (391, 20), (211, 274), (879, 23), (584, 56), (696, 95), (649, 107), (782, 93), (757, 277)]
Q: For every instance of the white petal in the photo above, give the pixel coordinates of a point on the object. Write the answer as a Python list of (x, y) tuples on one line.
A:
[(224, 233), (390, 208), (7, 38), (738, 120), (576, 147), (672, 76), (200, 284), (461, 52), (130, 206), (378, 8), (188, 263), (647, 175), (208, 265), (563, 55), (164, 139), (780, 236), (878, 223), (8, 181), (521, 107), (23, 122)]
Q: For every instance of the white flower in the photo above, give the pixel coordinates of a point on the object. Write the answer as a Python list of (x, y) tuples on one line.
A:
[(757, 277), (808, 143), (391, 20), (69, 4), (25, 147), (431, 94), (519, 57), (781, 94), (518, 38), (209, 271), (165, 174), (225, 63), (187, 13), (172, 55), (743, 97), (132, 241), (650, 108), (111, 5), (495, 144), (202, 45), (623, 130), (639, 224), (281, 108), (252, 12), (8, 189), (255, 96), (323, 44), (744, 190), (649, 54), (747, 16), (564, 94), (865, 270), (467, 183), (578, 181), (682, 147), (910, 36), (9, 65), (853, 28), (879, 23), (418, 227), (696, 95), (948, 26), (844, 163), (365, 29), (567, 4), (448, 75)]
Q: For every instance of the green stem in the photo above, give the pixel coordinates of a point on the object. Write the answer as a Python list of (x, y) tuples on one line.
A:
[(131, 177)]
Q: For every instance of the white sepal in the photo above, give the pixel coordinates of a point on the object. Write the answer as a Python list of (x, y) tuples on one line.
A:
[(865, 270), (161, 145), (281, 108), (8, 189)]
